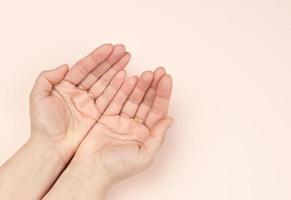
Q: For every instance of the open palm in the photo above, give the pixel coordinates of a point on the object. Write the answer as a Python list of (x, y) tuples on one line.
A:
[(65, 104), (126, 138)]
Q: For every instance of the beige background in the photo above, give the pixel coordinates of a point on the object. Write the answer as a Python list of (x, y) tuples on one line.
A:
[(232, 98)]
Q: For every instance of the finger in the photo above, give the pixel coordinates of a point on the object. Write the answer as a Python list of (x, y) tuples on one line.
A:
[(148, 100), (155, 140), (84, 66), (123, 93), (130, 107), (99, 86), (47, 79), (117, 53), (103, 100), (121, 64), (160, 105)]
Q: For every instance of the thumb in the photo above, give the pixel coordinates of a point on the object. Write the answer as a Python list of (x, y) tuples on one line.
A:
[(47, 79), (154, 142)]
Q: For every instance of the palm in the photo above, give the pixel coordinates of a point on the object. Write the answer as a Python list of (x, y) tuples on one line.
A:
[(118, 130), (118, 141), (77, 109), (119, 134)]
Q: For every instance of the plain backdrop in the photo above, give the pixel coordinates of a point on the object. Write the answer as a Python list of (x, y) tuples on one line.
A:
[(231, 65)]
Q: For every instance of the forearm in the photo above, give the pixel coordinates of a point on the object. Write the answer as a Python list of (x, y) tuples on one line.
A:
[(79, 182), (30, 172)]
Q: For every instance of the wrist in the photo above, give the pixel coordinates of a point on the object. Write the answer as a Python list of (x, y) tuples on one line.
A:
[(80, 181), (58, 148), (30, 171), (47, 150)]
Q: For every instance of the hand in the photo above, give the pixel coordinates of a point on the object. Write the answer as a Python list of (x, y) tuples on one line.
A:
[(65, 104), (63, 101), (128, 135)]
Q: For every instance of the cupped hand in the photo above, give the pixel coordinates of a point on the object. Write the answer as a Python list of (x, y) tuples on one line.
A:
[(126, 138), (66, 103)]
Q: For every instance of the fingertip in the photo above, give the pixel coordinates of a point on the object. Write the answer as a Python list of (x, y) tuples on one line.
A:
[(119, 78), (120, 46), (166, 122), (158, 74), (132, 80), (160, 70), (128, 54), (107, 45), (129, 84), (122, 63), (64, 67), (170, 121), (165, 87), (119, 49), (166, 80), (121, 73), (106, 48), (147, 76), (58, 72), (168, 77)]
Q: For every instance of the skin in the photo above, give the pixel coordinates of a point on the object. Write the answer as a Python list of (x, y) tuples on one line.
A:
[(124, 142), (65, 104), (113, 127), (63, 109)]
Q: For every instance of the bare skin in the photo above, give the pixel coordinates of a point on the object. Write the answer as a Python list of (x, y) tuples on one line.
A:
[(64, 105), (123, 142), (113, 127)]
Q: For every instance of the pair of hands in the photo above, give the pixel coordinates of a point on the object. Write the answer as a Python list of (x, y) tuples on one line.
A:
[(94, 117)]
